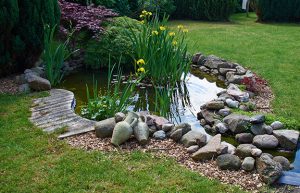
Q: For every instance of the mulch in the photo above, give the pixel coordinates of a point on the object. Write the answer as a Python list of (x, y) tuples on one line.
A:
[(8, 85)]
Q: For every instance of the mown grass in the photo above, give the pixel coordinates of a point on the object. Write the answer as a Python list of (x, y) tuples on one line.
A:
[(271, 50), (32, 161)]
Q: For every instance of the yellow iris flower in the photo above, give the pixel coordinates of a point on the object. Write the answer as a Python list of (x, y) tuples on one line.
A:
[(162, 28), (185, 30), (142, 70), (140, 62), (155, 33), (172, 34), (180, 26), (174, 43)]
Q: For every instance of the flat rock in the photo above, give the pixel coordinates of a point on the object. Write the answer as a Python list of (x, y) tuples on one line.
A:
[(288, 139), (37, 83), (193, 138), (214, 105), (239, 95), (237, 123), (209, 150), (265, 141), (228, 162)]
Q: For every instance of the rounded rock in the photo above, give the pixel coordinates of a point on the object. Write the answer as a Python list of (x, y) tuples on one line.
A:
[(248, 164), (265, 141), (160, 135), (285, 163), (276, 125), (228, 162)]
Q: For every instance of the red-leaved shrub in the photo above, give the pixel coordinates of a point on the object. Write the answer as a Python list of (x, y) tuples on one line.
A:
[(254, 84)]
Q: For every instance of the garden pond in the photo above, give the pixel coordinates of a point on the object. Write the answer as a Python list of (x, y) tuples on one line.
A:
[(198, 89)]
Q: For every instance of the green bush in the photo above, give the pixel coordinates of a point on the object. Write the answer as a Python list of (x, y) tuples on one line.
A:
[(22, 32), (114, 42), (159, 7), (278, 10), (212, 10)]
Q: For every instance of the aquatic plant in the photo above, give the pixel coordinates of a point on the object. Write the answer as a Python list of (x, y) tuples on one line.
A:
[(159, 52), (54, 55), (117, 98)]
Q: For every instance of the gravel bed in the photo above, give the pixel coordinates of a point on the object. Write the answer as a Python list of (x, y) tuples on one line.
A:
[(8, 85), (246, 180)]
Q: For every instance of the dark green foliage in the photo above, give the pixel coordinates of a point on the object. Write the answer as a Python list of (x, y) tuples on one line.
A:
[(159, 7), (212, 10), (21, 32), (278, 10), (114, 43)]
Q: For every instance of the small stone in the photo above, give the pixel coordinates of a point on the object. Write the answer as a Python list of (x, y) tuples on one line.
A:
[(214, 105), (257, 119), (248, 164), (210, 129), (159, 121), (256, 152), (244, 150), (231, 149), (285, 163), (232, 104), (222, 149), (267, 154), (202, 122), (265, 141), (268, 129), (119, 117), (207, 115), (224, 112), (240, 70), (167, 127), (276, 125), (229, 162), (258, 129), (185, 127), (160, 135), (192, 149), (176, 135), (243, 138), (221, 128)]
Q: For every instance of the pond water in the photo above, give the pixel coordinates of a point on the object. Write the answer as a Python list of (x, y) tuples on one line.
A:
[(196, 91)]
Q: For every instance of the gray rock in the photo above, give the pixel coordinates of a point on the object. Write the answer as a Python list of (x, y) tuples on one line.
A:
[(193, 138), (37, 83), (185, 127), (160, 135), (240, 70), (243, 138), (210, 129), (152, 130), (213, 62), (258, 129), (207, 115), (20, 79), (119, 117), (268, 129), (239, 95), (24, 88), (244, 150), (105, 128), (222, 149), (192, 149), (285, 163), (277, 125), (224, 71), (221, 128), (231, 149), (176, 135), (256, 152), (204, 69), (159, 121), (229, 162), (232, 104), (268, 169), (167, 127), (225, 96), (267, 154), (198, 59), (214, 105), (288, 139), (141, 131), (224, 112), (209, 150), (248, 164), (237, 123), (257, 119), (265, 141)]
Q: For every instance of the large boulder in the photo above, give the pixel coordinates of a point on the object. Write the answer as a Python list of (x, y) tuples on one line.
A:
[(237, 123), (209, 150), (268, 169), (244, 150), (37, 83), (214, 105), (265, 141), (193, 138), (285, 163), (244, 138), (228, 162), (105, 128), (248, 164), (288, 139)]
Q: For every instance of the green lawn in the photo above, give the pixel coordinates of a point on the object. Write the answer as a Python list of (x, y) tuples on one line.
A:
[(271, 50), (32, 161)]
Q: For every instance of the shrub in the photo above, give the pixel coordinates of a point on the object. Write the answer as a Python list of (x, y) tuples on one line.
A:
[(212, 10), (278, 10), (114, 42), (254, 84), (22, 32), (159, 52)]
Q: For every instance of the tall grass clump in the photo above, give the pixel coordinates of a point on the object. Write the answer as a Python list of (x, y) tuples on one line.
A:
[(159, 52), (54, 55), (117, 98)]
